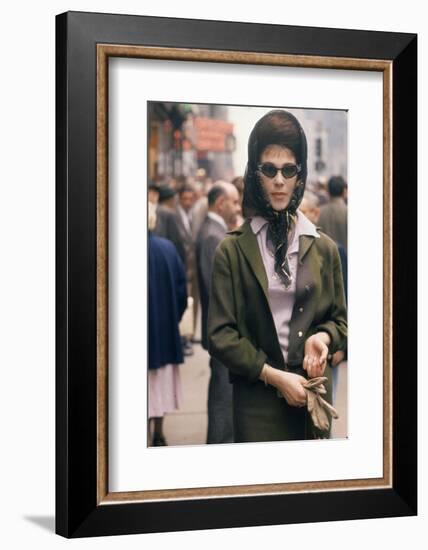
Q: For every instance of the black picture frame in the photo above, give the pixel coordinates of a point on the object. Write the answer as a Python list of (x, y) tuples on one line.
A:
[(79, 512)]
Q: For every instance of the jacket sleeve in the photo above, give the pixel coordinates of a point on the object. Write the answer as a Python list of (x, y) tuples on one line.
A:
[(225, 342), (336, 326)]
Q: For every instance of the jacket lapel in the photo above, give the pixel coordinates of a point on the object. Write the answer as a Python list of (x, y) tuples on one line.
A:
[(250, 248), (305, 243)]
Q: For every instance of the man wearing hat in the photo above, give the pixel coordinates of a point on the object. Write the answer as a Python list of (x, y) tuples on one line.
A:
[(167, 225)]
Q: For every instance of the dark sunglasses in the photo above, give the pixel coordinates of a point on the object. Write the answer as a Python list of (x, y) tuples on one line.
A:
[(269, 170)]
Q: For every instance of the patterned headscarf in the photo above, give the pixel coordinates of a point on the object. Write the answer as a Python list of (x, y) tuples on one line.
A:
[(277, 127)]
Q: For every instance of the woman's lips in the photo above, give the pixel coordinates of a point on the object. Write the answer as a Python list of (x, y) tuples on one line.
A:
[(279, 195)]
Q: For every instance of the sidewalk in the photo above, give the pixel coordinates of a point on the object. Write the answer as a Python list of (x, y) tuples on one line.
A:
[(188, 426)]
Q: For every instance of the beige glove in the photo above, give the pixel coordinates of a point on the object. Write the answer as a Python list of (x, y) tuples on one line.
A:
[(318, 408)]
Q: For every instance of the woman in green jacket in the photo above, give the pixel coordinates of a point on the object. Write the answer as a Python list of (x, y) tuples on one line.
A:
[(277, 308)]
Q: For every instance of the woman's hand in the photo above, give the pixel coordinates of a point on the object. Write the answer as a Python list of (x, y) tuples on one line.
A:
[(288, 384), (316, 351), (292, 388)]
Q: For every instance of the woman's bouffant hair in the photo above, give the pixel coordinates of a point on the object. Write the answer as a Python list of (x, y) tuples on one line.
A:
[(277, 127)]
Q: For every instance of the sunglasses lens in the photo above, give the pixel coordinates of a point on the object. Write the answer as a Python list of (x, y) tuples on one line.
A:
[(289, 170), (268, 170)]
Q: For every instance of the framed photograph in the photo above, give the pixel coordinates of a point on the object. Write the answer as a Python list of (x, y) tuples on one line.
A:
[(298, 146)]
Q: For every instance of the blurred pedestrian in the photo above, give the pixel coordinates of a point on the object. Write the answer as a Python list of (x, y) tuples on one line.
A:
[(277, 309), (167, 303), (186, 200), (153, 194), (238, 182), (319, 187), (199, 212), (334, 215), (310, 208), (167, 225), (223, 208)]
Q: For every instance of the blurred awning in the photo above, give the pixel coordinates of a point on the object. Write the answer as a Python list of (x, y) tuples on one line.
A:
[(213, 135)]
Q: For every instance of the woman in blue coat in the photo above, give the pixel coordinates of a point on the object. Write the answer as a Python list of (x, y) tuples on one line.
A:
[(167, 303)]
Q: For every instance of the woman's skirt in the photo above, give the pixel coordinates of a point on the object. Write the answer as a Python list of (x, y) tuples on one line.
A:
[(164, 390), (260, 415)]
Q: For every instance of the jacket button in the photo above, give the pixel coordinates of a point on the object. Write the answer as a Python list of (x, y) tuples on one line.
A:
[(300, 309), (300, 334), (307, 288)]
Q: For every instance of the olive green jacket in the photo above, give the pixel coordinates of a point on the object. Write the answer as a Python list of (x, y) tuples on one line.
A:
[(241, 329)]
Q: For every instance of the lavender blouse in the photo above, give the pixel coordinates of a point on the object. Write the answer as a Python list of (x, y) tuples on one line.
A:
[(282, 299)]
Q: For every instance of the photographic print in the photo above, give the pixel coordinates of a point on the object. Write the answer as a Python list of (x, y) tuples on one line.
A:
[(247, 273)]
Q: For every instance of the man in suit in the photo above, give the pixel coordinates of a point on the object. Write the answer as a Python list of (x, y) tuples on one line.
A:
[(173, 223), (223, 208), (184, 215), (334, 215)]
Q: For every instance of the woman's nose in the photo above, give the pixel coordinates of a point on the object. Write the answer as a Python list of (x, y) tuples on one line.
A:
[(279, 178)]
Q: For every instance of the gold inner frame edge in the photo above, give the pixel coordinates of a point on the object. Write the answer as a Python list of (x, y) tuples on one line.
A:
[(104, 51)]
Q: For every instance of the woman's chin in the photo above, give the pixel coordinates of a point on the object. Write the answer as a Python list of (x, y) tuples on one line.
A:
[(279, 206)]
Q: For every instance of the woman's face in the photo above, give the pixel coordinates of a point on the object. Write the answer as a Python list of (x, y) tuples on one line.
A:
[(278, 189)]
